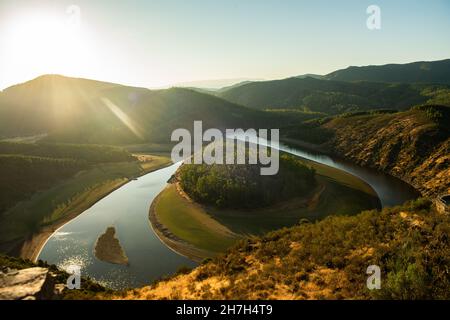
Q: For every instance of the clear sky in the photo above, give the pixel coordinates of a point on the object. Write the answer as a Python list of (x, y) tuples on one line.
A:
[(160, 42)]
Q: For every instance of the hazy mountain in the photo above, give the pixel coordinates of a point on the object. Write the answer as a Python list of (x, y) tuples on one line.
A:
[(310, 75), (86, 111), (214, 84), (423, 72)]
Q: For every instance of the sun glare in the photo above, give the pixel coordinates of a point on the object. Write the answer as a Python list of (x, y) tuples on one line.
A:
[(39, 43)]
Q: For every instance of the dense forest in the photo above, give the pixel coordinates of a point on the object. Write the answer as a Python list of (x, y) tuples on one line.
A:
[(27, 168), (22, 176), (242, 186), (89, 153)]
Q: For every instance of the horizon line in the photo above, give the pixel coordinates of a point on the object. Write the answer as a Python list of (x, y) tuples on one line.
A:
[(238, 80)]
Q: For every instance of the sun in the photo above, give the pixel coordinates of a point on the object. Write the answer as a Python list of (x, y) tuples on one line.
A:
[(42, 43)]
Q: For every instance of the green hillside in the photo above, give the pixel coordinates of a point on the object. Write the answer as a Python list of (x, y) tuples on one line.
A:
[(326, 260), (85, 111), (334, 97), (23, 176)]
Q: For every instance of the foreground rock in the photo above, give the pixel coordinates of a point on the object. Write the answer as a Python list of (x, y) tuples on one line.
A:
[(27, 284), (108, 248)]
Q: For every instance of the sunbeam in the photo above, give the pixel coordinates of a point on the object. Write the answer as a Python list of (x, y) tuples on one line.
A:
[(122, 116)]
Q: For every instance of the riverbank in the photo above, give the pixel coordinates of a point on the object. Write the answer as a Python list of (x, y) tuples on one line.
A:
[(30, 248), (173, 242), (409, 145), (400, 185)]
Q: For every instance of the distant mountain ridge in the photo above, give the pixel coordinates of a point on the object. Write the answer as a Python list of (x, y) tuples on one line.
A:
[(88, 111), (330, 96), (214, 84), (392, 86), (415, 72), (310, 75)]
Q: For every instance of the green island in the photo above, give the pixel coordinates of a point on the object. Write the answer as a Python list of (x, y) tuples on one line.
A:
[(206, 209)]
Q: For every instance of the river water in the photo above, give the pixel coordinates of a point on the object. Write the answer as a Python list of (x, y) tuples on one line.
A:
[(127, 209)]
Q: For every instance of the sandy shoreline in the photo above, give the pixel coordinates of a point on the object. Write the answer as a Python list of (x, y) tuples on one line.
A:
[(32, 247), (180, 246), (174, 243)]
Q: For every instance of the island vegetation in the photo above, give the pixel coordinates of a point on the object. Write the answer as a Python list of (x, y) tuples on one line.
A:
[(243, 186)]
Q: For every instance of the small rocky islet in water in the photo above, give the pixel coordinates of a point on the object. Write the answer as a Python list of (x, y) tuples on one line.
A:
[(108, 248)]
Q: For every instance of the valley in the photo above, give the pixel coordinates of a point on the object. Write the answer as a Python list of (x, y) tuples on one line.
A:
[(199, 233), (80, 157)]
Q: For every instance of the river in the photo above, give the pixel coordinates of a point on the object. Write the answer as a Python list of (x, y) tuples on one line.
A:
[(127, 209)]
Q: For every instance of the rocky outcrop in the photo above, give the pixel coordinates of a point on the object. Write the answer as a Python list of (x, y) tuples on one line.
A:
[(27, 284)]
